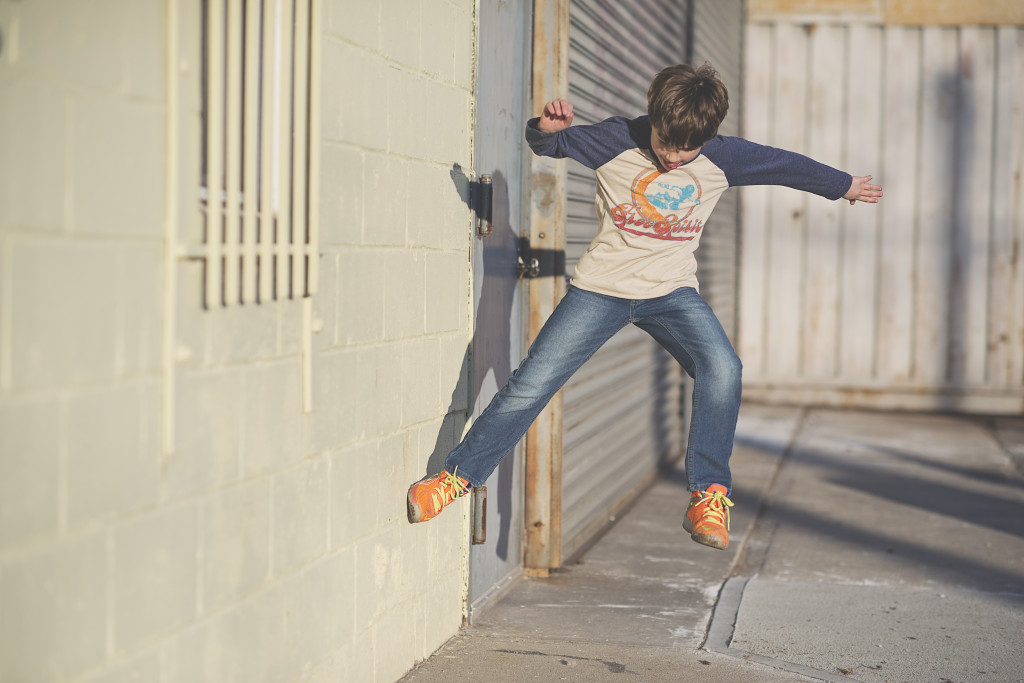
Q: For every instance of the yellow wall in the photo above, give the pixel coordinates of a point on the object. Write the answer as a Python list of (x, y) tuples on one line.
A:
[(912, 12)]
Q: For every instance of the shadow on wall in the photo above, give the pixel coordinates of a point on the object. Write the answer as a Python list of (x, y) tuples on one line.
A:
[(970, 267), (956, 90), (489, 352)]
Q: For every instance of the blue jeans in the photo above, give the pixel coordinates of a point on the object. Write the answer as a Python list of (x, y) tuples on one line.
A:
[(681, 322)]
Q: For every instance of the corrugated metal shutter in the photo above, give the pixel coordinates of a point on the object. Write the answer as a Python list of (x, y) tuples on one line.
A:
[(622, 413), (717, 38)]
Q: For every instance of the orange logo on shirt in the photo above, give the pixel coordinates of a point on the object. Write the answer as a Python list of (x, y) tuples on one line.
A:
[(661, 206)]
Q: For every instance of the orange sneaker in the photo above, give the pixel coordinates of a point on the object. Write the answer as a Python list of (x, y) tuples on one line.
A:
[(707, 518), (430, 495)]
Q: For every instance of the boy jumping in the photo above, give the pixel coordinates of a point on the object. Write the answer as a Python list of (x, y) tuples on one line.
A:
[(658, 179)]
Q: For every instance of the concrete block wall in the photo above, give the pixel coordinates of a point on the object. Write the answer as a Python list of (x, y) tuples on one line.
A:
[(270, 544)]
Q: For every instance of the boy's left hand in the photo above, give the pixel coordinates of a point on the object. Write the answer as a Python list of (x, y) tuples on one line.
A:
[(861, 190), (557, 116)]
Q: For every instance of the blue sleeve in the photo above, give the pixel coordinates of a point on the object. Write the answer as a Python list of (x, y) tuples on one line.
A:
[(748, 163), (593, 145)]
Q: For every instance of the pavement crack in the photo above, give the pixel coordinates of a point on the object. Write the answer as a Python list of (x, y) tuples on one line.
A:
[(613, 667)]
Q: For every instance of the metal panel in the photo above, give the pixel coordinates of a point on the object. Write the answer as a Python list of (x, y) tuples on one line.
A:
[(915, 303), (822, 281), (501, 112), (622, 414), (717, 39)]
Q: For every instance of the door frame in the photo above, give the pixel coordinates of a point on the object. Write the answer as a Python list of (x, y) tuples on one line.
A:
[(548, 193)]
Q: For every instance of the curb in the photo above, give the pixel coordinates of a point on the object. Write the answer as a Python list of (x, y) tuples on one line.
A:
[(723, 626)]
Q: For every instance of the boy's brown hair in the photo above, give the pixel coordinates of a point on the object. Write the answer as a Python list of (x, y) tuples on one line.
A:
[(686, 105)]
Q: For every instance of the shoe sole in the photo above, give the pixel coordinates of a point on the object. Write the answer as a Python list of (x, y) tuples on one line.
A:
[(413, 510), (704, 539)]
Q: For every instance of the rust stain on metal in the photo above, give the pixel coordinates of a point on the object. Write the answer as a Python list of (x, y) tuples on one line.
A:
[(543, 439), (544, 185), (537, 313)]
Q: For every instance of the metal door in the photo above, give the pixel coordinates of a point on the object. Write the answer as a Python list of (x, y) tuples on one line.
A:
[(501, 108), (622, 410), (916, 303)]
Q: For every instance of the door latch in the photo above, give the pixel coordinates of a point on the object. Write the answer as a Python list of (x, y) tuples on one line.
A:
[(524, 270), (484, 204)]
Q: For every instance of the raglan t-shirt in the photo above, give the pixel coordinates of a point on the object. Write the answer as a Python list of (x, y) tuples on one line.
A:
[(651, 221)]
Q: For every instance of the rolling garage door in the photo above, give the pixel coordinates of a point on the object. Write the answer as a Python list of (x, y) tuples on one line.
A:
[(622, 410), (717, 38)]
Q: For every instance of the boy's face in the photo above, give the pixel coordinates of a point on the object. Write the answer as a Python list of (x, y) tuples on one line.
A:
[(669, 157)]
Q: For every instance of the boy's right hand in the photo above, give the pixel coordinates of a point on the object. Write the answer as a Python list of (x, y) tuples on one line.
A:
[(557, 115), (861, 190)]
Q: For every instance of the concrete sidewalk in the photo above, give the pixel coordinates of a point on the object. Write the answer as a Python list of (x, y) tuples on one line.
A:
[(865, 547)]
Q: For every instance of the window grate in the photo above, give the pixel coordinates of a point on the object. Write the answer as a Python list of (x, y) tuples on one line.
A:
[(255, 163)]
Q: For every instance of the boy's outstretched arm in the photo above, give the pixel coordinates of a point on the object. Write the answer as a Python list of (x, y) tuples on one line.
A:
[(861, 190), (557, 115)]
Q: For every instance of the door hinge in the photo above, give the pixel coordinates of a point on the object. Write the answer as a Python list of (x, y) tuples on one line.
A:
[(479, 515), (484, 203)]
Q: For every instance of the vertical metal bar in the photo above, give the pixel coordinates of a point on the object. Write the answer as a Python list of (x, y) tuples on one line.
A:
[(215, 153), (233, 157), (300, 147), (315, 85), (171, 216), (897, 215), (547, 236), (251, 142), (283, 133), (934, 210), (6, 318), (691, 29), (312, 253), (266, 213), (859, 294), (1015, 145), (307, 354), (757, 71), (1002, 244)]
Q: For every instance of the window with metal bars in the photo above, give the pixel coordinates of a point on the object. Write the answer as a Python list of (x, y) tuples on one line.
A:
[(259, 240)]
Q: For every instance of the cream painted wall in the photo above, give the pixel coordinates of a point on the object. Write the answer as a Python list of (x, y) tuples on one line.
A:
[(269, 544)]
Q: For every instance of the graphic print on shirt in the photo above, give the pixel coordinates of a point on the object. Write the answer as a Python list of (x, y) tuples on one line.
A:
[(661, 206)]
